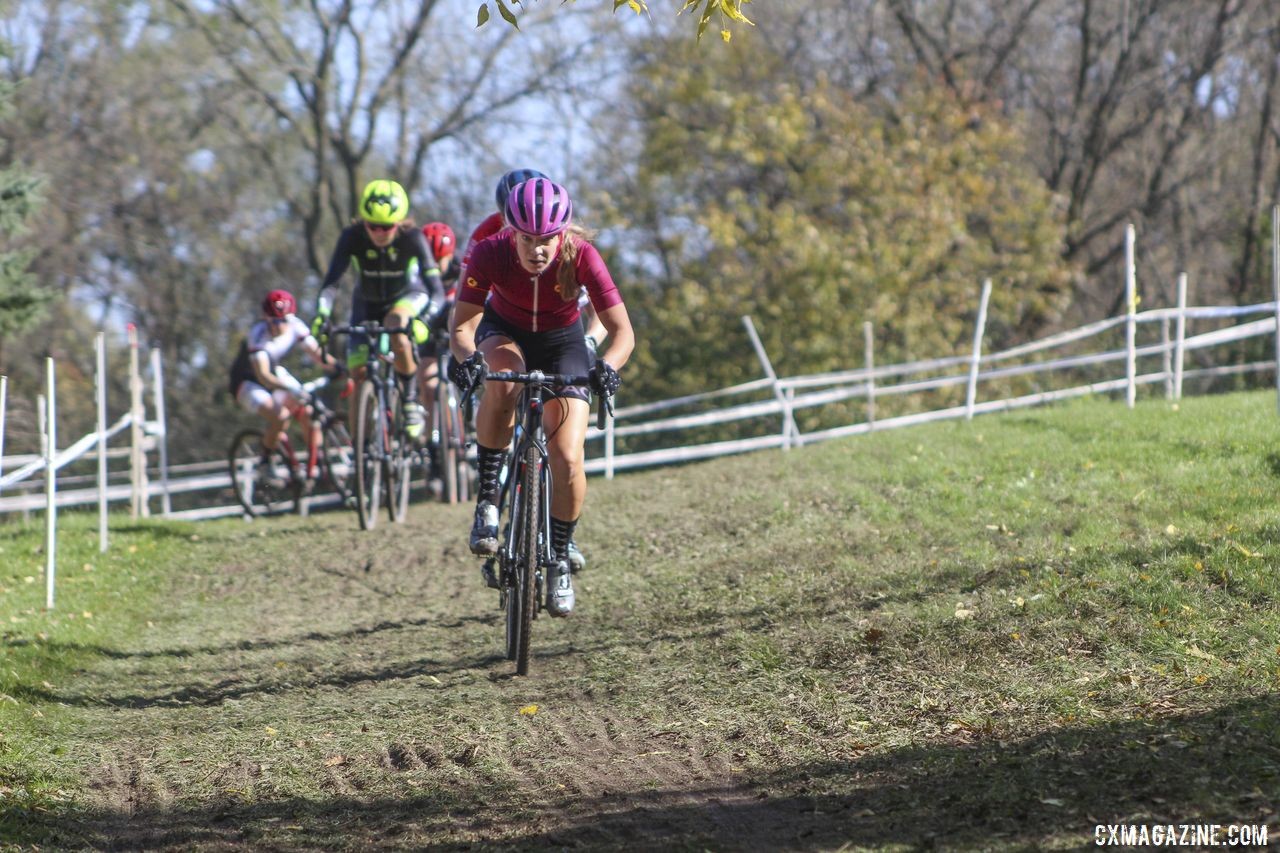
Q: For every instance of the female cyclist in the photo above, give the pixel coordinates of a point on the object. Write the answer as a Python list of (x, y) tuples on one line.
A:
[(396, 280), (259, 381), (518, 310)]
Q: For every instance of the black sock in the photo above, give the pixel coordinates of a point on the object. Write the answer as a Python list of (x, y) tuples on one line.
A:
[(489, 462), (561, 536)]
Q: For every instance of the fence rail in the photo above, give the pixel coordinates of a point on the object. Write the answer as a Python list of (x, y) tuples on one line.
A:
[(784, 396)]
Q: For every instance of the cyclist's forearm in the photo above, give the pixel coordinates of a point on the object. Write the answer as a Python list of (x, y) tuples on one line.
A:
[(324, 301), (622, 339), (462, 331)]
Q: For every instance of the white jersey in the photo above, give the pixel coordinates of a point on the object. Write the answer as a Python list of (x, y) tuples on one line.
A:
[(277, 346)]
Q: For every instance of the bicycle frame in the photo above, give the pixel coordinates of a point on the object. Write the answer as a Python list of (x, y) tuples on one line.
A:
[(382, 447)]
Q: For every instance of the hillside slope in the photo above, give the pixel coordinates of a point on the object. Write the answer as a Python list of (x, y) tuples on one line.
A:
[(994, 634)]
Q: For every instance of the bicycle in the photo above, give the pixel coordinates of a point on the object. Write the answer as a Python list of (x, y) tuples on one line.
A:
[(525, 553), (384, 451), (328, 460), (449, 433)]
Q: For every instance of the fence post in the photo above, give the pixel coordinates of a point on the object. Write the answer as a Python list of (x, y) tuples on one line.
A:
[(979, 330), (1275, 286), (50, 488), (789, 428), (100, 345), (1180, 335), (4, 392), (162, 428), (1166, 354), (137, 456), (869, 357), (1131, 324)]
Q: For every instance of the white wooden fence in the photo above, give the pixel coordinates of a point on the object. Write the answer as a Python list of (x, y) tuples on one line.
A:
[(1160, 360)]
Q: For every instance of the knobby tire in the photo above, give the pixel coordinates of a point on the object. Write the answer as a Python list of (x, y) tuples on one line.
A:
[(527, 567), (370, 462), (399, 456)]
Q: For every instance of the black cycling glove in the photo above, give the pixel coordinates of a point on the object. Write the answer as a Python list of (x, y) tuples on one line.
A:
[(468, 373), (605, 381)]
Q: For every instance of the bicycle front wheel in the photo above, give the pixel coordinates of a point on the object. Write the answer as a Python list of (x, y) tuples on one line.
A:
[(259, 493), (399, 458), (527, 564), (369, 454)]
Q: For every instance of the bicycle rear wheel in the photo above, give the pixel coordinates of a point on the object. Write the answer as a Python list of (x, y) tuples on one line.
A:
[(399, 458), (370, 455), (527, 562), (452, 440), (260, 496), (337, 461)]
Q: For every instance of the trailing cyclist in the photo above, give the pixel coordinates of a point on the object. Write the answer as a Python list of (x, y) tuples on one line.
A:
[(443, 244), (496, 221), (397, 280), (518, 310), (261, 384)]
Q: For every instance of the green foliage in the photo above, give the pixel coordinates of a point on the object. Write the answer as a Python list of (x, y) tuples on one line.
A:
[(791, 201), (22, 300)]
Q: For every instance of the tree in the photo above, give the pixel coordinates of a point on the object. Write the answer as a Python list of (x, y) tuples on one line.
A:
[(1157, 112), (23, 298), (789, 200), (212, 151), (727, 12)]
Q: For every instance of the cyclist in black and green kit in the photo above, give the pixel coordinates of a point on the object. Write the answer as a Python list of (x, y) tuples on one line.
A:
[(397, 280)]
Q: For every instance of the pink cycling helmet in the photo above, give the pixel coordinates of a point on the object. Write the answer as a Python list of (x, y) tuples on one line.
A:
[(538, 207)]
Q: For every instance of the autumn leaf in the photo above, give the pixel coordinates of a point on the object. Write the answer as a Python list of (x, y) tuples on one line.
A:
[(528, 710), (335, 760)]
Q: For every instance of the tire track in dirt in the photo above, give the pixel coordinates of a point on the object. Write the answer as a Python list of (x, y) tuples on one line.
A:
[(682, 783)]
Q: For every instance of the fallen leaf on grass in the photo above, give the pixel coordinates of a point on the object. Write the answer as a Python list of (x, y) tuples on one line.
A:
[(1196, 652), (1052, 801), (1245, 552), (528, 710), (335, 760)]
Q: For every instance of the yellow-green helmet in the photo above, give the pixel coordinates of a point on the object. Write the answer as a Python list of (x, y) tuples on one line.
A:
[(384, 202)]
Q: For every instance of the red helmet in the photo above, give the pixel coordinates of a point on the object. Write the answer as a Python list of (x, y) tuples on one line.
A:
[(279, 303), (441, 239)]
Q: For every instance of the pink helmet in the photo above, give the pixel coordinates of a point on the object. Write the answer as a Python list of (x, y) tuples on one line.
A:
[(538, 207)]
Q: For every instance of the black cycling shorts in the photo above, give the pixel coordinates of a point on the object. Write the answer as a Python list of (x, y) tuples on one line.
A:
[(554, 351)]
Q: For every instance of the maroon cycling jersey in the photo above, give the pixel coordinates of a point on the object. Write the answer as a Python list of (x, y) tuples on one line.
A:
[(533, 302), (492, 224)]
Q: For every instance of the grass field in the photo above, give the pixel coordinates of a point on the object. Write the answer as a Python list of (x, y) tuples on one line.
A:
[(986, 635)]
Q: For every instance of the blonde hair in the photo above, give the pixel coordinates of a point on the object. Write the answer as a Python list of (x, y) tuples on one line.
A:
[(566, 279)]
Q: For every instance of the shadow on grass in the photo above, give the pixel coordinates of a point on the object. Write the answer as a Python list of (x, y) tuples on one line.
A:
[(250, 645), (1222, 766), (260, 680)]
